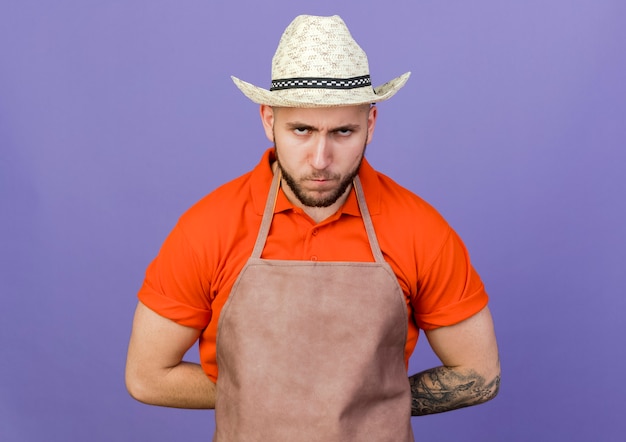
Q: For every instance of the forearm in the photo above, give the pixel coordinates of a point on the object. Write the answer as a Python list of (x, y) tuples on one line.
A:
[(182, 386), (155, 372), (446, 388)]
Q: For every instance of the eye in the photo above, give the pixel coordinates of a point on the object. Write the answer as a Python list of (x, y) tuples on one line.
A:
[(344, 132), (301, 130)]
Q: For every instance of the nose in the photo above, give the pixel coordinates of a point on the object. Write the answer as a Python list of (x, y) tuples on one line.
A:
[(321, 157)]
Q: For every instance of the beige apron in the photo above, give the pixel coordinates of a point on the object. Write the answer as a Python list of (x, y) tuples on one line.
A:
[(313, 351)]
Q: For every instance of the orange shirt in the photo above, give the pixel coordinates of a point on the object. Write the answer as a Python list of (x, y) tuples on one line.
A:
[(192, 276)]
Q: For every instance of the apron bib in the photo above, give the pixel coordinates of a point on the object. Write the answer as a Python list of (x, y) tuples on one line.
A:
[(313, 351)]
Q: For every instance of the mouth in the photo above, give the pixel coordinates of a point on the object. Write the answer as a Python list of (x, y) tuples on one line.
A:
[(321, 183), (321, 178)]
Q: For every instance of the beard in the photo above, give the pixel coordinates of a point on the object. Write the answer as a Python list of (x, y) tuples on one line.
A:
[(308, 198)]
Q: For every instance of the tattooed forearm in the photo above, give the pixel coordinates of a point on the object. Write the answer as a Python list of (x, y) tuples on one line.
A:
[(442, 389)]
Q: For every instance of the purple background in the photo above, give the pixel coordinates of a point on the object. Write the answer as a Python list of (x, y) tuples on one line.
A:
[(116, 116)]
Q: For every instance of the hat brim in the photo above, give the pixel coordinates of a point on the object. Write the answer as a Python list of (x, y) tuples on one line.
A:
[(321, 97)]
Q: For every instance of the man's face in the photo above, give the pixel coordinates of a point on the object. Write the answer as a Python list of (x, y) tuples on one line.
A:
[(319, 150)]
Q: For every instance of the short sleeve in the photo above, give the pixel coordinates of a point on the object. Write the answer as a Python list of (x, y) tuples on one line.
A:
[(449, 289), (176, 285)]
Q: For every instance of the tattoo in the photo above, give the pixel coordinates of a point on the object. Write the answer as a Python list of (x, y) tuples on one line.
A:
[(442, 389)]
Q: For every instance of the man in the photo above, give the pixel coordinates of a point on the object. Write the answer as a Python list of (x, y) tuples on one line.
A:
[(306, 280)]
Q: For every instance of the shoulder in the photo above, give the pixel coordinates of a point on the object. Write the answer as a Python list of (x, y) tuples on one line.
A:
[(230, 209), (411, 232), (222, 202), (399, 206), (229, 201)]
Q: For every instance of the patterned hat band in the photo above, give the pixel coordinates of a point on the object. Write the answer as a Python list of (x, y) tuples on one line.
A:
[(321, 83)]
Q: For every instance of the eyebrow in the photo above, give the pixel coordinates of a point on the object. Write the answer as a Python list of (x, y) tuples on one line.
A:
[(296, 125)]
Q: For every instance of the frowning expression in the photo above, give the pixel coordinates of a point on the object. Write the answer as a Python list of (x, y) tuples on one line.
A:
[(319, 150)]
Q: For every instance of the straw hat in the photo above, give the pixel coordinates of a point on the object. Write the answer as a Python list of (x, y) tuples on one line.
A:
[(318, 64)]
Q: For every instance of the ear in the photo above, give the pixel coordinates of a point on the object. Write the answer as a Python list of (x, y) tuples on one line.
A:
[(371, 123), (267, 118)]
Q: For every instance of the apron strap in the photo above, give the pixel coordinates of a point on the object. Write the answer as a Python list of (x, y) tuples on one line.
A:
[(367, 220), (268, 214)]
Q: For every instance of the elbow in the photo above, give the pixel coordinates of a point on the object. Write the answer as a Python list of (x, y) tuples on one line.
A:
[(135, 391), (137, 386), (485, 384), (492, 388)]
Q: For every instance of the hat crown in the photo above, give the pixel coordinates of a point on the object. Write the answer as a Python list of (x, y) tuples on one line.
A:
[(318, 47)]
